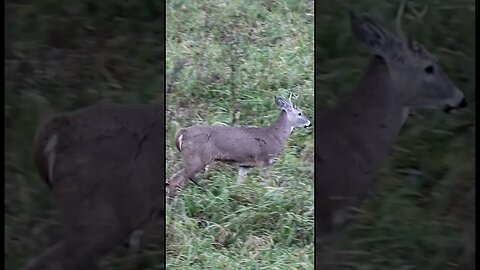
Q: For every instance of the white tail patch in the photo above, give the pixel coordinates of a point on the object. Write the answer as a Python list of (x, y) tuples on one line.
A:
[(405, 113), (180, 142), (50, 154)]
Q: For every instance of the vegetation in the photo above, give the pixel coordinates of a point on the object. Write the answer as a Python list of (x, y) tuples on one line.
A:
[(422, 213), (224, 56)]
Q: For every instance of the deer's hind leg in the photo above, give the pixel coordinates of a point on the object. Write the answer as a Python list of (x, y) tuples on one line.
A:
[(91, 227), (266, 172), (192, 164), (174, 184), (96, 216)]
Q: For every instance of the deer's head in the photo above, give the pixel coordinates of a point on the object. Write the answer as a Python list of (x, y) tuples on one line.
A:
[(415, 72), (296, 117)]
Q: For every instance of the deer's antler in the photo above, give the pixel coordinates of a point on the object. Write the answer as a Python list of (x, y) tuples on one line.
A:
[(418, 15), (418, 19), (398, 19)]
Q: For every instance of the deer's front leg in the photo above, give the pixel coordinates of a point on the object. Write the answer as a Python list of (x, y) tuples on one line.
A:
[(242, 171), (266, 171)]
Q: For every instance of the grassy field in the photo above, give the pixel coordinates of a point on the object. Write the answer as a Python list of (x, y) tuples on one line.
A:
[(226, 60), (422, 213)]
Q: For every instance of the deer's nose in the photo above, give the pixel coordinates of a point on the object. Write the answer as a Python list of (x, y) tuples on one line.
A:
[(309, 125), (463, 103)]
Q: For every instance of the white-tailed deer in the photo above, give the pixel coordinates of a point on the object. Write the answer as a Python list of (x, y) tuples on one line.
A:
[(355, 138), (105, 165), (246, 146)]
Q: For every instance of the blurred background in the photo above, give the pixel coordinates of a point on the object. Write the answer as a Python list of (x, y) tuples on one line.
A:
[(422, 212), (226, 60), (60, 56)]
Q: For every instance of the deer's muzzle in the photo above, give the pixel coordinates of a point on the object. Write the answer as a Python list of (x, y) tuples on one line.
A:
[(462, 104)]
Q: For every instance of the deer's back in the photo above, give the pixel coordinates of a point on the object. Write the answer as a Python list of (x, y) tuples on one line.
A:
[(232, 142)]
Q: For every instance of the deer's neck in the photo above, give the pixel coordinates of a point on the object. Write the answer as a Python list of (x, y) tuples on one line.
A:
[(372, 118), (281, 129), (376, 86), (376, 100)]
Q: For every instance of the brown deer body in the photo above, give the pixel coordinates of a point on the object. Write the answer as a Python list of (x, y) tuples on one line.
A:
[(246, 146), (355, 138), (105, 165)]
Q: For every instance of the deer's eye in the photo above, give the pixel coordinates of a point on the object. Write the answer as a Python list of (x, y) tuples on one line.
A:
[(429, 69), (299, 114)]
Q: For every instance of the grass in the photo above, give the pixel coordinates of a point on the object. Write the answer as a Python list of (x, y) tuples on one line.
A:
[(224, 56), (422, 213)]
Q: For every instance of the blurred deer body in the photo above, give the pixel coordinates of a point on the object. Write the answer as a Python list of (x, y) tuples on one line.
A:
[(356, 137), (105, 165), (246, 146)]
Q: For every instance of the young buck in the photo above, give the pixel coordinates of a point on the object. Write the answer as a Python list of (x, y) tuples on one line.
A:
[(246, 146), (105, 165), (356, 136)]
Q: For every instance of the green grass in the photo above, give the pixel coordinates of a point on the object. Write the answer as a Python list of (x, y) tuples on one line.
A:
[(269, 44), (422, 213)]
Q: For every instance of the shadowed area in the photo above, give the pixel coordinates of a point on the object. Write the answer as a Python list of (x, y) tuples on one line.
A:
[(61, 56), (420, 213)]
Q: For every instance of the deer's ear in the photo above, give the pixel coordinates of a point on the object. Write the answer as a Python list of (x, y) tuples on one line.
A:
[(281, 103), (375, 37)]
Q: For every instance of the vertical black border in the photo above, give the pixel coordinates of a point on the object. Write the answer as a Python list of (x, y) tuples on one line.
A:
[(476, 133), (315, 130), (164, 57)]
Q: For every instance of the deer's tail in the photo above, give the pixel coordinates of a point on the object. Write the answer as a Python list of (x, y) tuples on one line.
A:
[(45, 150), (179, 139)]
